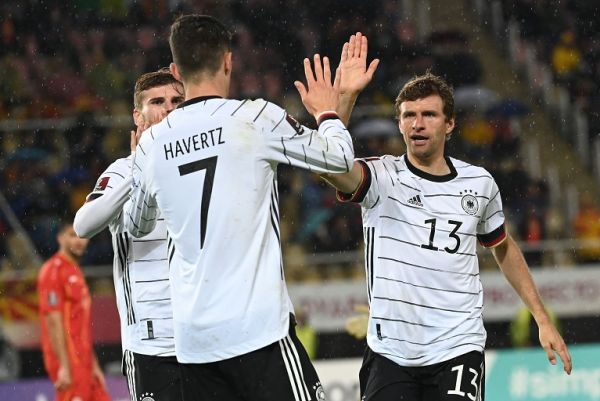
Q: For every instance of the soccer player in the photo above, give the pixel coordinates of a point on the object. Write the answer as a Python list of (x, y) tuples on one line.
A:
[(141, 271), (66, 327), (211, 169), (423, 213)]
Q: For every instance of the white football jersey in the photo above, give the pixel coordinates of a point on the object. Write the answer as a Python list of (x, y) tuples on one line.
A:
[(211, 168), (140, 268), (421, 232)]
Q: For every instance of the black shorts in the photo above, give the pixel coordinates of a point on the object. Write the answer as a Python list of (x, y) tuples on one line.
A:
[(281, 371), (458, 379), (155, 378)]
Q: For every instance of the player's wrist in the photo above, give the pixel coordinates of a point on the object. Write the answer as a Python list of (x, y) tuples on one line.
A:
[(326, 115)]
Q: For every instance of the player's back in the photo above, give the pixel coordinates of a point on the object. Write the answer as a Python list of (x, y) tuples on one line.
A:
[(211, 168)]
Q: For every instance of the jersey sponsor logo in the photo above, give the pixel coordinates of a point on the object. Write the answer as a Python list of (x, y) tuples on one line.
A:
[(102, 184), (416, 201), (469, 204), (294, 123)]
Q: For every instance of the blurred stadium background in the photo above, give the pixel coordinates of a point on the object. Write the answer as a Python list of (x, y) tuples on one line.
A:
[(526, 75)]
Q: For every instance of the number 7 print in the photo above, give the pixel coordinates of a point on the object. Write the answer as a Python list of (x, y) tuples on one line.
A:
[(209, 164)]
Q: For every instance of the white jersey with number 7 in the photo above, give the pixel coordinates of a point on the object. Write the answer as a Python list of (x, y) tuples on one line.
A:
[(211, 169)]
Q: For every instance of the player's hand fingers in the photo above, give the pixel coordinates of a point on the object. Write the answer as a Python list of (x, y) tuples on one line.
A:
[(326, 70), (318, 67), (372, 68), (344, 55), (132, 141), (337, 82), (160, 116), (351, 45), (565, 356), (358, 44), (62, 385), (364, 47), (301, 89), (549, 353), (567, 362), (308, 72)]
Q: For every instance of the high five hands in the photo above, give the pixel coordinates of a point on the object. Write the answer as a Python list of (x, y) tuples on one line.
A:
[(351, 77)]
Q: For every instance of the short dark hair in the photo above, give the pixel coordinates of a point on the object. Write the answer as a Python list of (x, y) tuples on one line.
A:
[(198, 43), (426, 85), (152, 80), (62, 223)]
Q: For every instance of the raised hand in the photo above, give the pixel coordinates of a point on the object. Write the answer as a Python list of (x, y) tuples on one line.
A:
[(320, 94), (144, 124), (355, 75)]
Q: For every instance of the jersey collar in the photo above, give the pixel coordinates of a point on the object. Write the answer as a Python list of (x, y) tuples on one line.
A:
[(431, 177), (195, 100)]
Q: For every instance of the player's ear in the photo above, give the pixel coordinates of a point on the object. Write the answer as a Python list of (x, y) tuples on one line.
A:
[(449, 125), (175, 71), (138, 118), (228, 62)]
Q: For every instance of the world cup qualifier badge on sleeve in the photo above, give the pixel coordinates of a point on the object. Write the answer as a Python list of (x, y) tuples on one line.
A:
[(102, 184), (294, 123)]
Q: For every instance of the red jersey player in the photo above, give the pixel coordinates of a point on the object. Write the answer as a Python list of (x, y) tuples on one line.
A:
[(65, 304)]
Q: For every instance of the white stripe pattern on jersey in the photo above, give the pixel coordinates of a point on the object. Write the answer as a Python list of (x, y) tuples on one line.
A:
[(421, 265), (140, 267), (122, 249), (251, 138), (294, 369), (130, 373), (369, 233)]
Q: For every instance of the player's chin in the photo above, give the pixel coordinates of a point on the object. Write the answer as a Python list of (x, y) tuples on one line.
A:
[(78, 251)]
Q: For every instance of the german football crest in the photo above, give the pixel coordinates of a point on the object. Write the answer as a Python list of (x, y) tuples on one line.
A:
[(319, 392), (469, 202)]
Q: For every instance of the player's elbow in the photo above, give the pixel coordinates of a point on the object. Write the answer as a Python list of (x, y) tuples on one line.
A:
[(81, 229)]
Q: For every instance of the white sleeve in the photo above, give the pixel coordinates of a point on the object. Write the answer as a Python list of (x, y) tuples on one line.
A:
[(326, 150), (106, 200), (97, 212), (490, 229), (141, 215)]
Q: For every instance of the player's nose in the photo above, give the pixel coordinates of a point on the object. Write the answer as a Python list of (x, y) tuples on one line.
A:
[(417, 122)]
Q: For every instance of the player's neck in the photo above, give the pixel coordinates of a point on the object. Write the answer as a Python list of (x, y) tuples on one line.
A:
[(206, 87), (434, 165), (69, 256)]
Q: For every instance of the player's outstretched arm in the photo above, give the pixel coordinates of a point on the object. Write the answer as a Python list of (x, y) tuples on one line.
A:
[(108, 197), (354, 74), (100, 209), (512, 263)]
